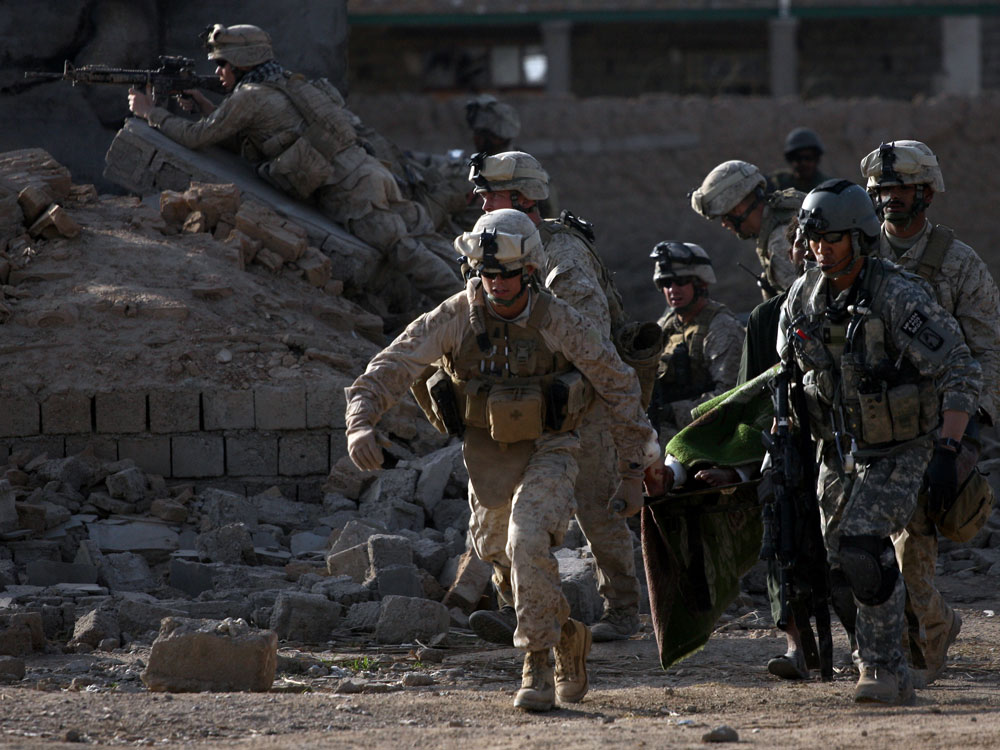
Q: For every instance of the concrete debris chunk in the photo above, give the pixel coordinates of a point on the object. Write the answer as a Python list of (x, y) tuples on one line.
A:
[(351, 562), (363, 616), (385, 550), (398, 580), (231, 544), (579, 585), (55, 222), (310, 618), (11, 668), (21, 633), (34, 200), (192, 655), (126, 571), (128, 484), (95, 626), (407, 619)]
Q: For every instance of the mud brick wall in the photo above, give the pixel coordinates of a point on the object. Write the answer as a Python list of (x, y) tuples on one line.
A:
[(250, 439)]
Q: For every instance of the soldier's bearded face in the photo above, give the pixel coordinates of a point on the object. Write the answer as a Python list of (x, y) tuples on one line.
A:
[(897, 199)]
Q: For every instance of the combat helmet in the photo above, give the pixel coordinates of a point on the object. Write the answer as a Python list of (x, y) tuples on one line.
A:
[(725, 186), (509, 170), (486, 112), (674, 259), (502, 241), (841, 206), (801, 138), (243, 45), (902, 163)]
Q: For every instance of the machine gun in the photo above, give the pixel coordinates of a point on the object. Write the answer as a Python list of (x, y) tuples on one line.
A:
[(175, 75), (792, 537), (761, 281)]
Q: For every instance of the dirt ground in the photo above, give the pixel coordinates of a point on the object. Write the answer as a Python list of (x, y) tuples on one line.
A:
[(632, 702)]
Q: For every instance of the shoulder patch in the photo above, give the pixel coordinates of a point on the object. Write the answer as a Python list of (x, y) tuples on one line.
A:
[(931, 339), (914, 323)]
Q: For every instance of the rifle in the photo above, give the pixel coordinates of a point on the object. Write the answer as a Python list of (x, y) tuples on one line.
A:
[(791, 525), (761, 281), (175, 75)]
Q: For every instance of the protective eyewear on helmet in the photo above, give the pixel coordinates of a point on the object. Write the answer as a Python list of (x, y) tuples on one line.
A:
[(831, 238), (491, 250), (483, 168), (676, 281)]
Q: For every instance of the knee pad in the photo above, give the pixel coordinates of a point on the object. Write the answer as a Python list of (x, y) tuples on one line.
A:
[(869, 564)]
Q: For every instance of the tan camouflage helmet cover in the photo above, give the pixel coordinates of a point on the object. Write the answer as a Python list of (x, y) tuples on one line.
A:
[(724, 187), (902, 163), (486, 112), (501, 240), (242, 46), (510, 170)]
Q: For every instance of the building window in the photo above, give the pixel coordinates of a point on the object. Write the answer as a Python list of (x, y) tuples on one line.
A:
[(504, 66)]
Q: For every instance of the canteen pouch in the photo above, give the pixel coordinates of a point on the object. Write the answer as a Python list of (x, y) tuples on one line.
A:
[(515, 412), (904, 406), (299, 169)]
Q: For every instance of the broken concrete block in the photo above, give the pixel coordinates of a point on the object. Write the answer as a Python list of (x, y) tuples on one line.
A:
[(190, 577), (451, 514), (430, 555), (21, 633), (75, 471), (207, 655), (355, 532), (363, 616), (231, 544), (220, 507), (351, 562), (195, 223), (342, 589), (115, 535), (55, 222), (471, 579), (213, 200), (34, 200), (49, 573), (435, 471), (8, 507), (174, 207), (385, 500), (345, 478), (169, 510), (126, 571), (11, 669), (138, 614), (270, 260), (385, 550), (579, 585), (405, 620), (128, 484), (298, 616), (397, 580), (316, 266), (245, 246), (95, 626), (274, 508), (306, 541)]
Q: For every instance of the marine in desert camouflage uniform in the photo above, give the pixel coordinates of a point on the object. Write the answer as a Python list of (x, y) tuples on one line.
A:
[(735, 194), (903, 177), (574, 273), (301, 138), (883, 364), (702, 338), (504, 345)]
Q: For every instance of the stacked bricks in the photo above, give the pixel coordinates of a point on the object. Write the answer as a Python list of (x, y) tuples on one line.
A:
[(270, 434)]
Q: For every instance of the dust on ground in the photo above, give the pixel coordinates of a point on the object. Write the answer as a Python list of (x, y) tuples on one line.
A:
[(631, 703)]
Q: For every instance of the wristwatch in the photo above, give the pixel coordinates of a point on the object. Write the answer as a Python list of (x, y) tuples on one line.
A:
[(955, 445)]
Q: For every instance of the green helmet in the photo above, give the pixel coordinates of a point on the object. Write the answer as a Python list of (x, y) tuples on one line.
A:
[(501, 241), (841, 206), (485, 112), (674, 259), (801, 138), (725, 186), (242, 46), (509, 170)]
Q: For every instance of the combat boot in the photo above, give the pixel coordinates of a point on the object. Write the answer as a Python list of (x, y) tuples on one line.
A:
[(880, 685), (936, 653), (538, 692), (571, 662), (616, 624), (495, 626)]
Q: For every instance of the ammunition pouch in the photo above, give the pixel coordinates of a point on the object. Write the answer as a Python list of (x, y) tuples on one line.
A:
[(435, 395), (298, 170), (972, 506)]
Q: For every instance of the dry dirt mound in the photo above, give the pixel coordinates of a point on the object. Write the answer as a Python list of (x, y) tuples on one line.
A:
[(128, 302)]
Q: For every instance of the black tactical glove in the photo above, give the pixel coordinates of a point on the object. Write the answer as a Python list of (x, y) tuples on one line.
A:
[(941, 479)]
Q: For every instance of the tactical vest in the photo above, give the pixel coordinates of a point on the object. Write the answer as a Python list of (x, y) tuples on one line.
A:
[(507, 380), (567, 222), (327, 148), (780, 207), (883, 404), (938, 242), (683, 371)]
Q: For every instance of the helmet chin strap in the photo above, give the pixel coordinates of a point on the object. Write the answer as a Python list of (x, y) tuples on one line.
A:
[(856, 257), (525, 277)]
